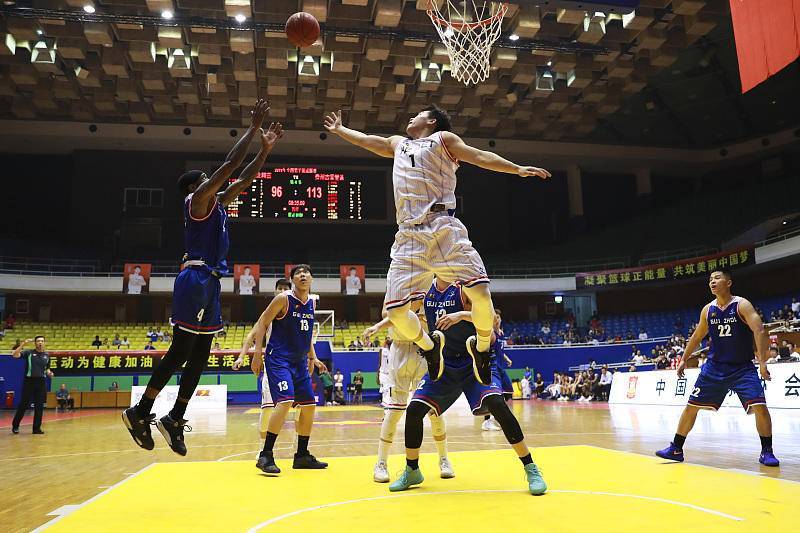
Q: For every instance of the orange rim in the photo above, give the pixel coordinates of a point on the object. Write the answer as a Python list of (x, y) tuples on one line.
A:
[(501, 12)]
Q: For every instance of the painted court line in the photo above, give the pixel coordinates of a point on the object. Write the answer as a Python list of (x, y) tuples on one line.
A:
[(480, 491), (72, 508)]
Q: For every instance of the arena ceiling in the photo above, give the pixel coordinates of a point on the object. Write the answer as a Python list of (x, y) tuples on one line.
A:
[(665, 76)]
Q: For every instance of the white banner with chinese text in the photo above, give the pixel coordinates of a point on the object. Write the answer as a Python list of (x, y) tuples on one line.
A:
[(663, 387)]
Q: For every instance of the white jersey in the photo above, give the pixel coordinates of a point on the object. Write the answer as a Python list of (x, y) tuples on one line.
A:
[(424, 174)]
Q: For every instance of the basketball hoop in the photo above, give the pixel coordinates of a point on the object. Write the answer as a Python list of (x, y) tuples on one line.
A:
[(468, 33)]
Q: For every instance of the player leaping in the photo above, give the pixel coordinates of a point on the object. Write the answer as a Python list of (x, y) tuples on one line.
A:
[(430, 240)]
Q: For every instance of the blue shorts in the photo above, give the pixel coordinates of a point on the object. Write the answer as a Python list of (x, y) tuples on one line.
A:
[(457, 377), (716, 379), (196, 302), (289, 381)]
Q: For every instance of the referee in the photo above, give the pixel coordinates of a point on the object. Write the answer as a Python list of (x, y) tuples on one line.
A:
[(34, 386)]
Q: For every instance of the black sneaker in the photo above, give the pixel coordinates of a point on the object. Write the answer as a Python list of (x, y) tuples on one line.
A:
[(139, 427), (266, 463), (15, 431), (173, 432), (481, 362), (307, 462), (434, 356)]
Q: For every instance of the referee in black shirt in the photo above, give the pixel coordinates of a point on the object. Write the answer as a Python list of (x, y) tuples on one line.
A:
[(34, 386)]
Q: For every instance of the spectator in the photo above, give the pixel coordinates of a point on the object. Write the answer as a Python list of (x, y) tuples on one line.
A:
[(553, 391), (116, 342), (217, 346), (125, 343), (159, 334), (604, 383), (153, 336), (525, 385), (643, 335), (774, 357), (10, 322), (795, 307), (528, 374), (338, 386), (149, 346), (97, 343), (351, 346), (545, 330), (793, 353), (638, 358), (150, 333), (167, 337), (629, 336), (64, 399), (538, 386), (327, 384), (358, 386), (222, 333), (114, 387), (105, 343), (632, 368)]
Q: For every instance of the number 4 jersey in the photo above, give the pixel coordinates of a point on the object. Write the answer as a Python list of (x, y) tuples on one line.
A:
[(731, 338), (292, 333)]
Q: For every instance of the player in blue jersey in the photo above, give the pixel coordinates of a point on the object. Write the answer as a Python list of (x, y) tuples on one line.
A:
[(502, 361), (196, 314), (449, 315), (289, 361), (732, 324)]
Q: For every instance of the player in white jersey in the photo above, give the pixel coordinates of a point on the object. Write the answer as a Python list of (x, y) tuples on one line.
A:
[(400, 374), (266, 398), (430, 240)]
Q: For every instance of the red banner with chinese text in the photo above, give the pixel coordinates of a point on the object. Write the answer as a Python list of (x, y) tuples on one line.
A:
[(676, 270), (98, 362)]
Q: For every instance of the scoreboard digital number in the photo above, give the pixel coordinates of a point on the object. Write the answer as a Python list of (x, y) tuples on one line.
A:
[(313, 193)]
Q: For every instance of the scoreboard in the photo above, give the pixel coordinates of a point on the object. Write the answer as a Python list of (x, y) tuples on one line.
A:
[(313, 193)]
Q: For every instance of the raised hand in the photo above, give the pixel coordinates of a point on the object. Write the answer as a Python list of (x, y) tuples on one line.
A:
[(272, 135), (533, 171), (259, 113), (333, 121)]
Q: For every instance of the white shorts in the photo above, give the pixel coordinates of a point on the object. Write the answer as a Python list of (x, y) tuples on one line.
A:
[(266, 396), (440, 246), (406, 369)]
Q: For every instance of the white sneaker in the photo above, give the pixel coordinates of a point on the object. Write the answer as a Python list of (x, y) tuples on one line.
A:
[(446, 469), (589, 399), (490, 425), (381, 472)]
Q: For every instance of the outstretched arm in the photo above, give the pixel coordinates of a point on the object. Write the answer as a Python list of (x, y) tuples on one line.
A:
[(382, 146), (268, 140), (205, 193), (488, 160)]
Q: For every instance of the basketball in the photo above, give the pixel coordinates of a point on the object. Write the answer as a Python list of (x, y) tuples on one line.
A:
[(302, 29)]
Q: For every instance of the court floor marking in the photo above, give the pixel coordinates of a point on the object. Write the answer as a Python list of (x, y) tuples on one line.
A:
[(69, 509), (481, 491)]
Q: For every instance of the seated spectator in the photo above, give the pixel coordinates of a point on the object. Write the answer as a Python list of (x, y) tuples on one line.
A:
[(774, 357), (105, 343), (632, 368), (10, 322), (359, 344), (351, 346), (638, 358), (793, 353), (150, 333), (795, 307), (604, 383), (553, 391), (65, 401), (153, 336), (643, 335), (149, 346), (217, 346), (114, 387), (538, 386), (124, 343), (662, 362), (159, 334), (116, 342), (167, 337), (97, 343), (545, 330)]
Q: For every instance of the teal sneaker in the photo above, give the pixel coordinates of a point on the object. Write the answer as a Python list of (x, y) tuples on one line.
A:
[(536, 483), (407, 478)]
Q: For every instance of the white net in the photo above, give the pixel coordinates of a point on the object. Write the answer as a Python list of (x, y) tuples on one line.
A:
[(468, 29)]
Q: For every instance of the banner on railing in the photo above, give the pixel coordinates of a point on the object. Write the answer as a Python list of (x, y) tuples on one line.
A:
[(129, 362), (676, 270)]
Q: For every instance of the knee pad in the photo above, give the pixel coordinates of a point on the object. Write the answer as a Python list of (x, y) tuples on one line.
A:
[(417, 410), (437, 425), (508, 422)]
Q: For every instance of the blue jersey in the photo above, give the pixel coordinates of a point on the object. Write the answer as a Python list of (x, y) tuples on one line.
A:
[(292, 333), (731, 341), (498, 347), (438, 304), (207, 238)]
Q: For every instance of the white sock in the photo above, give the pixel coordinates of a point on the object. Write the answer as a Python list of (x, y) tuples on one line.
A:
[(390, 419), (439, 435)]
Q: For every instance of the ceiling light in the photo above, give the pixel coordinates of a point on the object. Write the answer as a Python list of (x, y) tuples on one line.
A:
[(39, 32), (240, 18), (785, 222), (89, 8), (549, 63), (167, 14), (514, 37), (558, 299), (545, 81)]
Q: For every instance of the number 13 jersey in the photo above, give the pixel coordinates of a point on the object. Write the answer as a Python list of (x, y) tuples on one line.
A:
[(292, 333), (731, 338), (424, 174)]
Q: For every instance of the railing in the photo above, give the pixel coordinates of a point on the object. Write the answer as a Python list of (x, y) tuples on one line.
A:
[(778, 238), (590, 344), (676, 255)]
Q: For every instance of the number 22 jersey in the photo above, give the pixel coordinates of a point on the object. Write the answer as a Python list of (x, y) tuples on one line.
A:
[(731, 338)]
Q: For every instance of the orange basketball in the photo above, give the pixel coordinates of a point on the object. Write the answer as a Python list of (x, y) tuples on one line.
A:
[(302, 29)]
